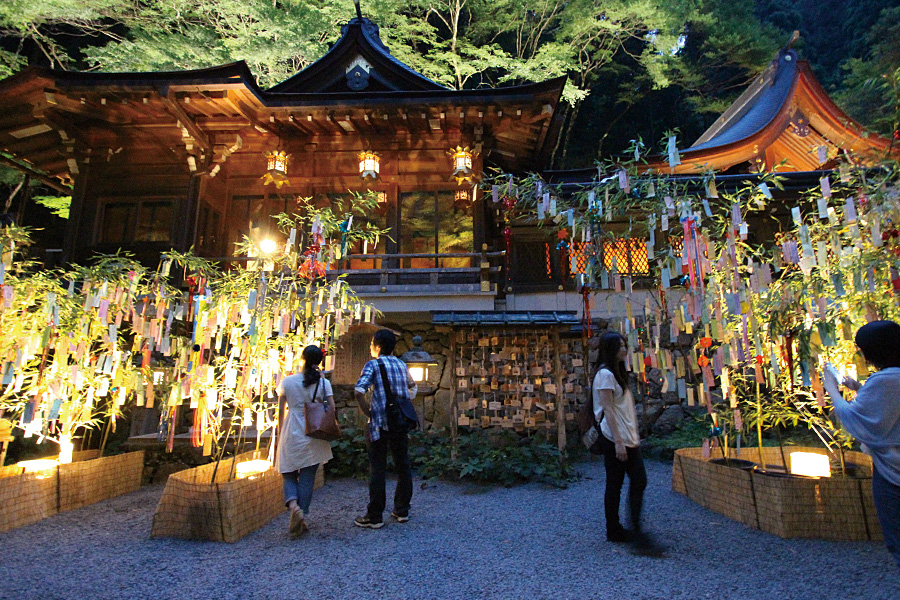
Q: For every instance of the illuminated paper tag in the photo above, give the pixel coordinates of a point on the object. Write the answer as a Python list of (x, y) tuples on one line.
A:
[(849, 211), (823, 208), (672, 150), (825, 184)]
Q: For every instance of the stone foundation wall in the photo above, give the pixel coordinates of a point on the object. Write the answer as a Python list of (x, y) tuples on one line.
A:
[(434, 404)]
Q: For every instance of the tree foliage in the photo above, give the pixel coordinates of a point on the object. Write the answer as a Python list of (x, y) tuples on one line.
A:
[(679, 62)]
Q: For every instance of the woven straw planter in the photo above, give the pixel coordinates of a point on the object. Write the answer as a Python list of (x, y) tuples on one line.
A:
[(831, 508), (29, 498), (193, 506)]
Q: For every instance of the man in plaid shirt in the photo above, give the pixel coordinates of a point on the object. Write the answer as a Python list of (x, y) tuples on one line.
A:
[(378, 436)]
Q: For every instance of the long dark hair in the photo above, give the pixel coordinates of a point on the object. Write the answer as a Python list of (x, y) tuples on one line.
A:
[(312, 357), (610, 342)]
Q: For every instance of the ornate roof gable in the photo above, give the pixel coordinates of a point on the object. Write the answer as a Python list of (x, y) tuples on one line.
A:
[(784, 121), (358, 61)]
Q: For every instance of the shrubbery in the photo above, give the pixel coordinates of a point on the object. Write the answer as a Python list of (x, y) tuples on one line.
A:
[(502, 457)]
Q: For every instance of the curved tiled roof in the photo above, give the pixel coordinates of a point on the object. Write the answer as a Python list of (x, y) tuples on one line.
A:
[(756, 107)]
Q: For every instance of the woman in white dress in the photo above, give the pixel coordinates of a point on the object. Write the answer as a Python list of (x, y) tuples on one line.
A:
[(299, 456)]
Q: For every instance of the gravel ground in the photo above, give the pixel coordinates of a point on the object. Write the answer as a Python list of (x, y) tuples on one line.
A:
[(462, 541)]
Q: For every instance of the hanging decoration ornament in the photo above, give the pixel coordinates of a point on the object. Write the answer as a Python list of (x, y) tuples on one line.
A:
[(463, 159), (276, 168), (312, 267), (369, 164), (345, 230)]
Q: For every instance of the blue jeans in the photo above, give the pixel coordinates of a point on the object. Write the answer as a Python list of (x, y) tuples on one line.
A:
[(887, 504), (298, 486)]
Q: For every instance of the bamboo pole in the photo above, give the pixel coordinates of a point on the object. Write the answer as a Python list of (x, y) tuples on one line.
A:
[(762, 460)]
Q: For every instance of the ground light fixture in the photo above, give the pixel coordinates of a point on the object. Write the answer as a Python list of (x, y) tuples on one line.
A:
[(249, 469), (40, 466), (66, 450), (810, 464)]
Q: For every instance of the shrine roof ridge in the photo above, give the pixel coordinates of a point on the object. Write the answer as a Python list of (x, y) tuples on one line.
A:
[(359, 37)]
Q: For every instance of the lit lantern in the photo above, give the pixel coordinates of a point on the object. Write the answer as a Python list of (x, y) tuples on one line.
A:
[(381, 197), (461, 196), (276, 168), (41, 466), (369, 164), (810, 464), (418, 361), (462, 164), (252, 468), (268, 246)]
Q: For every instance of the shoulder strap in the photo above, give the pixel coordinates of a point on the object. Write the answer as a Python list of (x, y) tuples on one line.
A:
[(316, 391), (385, 382)]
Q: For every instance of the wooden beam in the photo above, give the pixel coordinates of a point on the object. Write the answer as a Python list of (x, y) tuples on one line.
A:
[(186, 121), (44, 178), (85, 108), (243, 109), (297, 122)]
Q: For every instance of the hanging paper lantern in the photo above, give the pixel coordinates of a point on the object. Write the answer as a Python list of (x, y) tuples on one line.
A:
[(276, 168), (461, 196), (369, 164), (462, 164)]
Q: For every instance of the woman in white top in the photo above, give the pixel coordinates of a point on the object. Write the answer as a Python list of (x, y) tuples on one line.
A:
[(299, 456), (621, 444)]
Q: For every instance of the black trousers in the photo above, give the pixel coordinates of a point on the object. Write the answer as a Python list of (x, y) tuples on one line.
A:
[(398, 443), (615, 478)]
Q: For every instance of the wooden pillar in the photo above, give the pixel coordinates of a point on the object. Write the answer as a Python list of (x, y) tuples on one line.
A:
[(185, 229), (454, 413), (76, 215), (560, 396)]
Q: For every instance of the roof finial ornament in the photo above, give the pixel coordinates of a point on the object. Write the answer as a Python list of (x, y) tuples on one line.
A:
[(794, 36), (359, 11)]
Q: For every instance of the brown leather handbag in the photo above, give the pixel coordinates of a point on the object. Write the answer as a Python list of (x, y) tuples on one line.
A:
[(321, 419)]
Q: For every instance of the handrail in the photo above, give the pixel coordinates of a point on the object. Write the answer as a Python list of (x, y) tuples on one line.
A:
[(419, 255), (373, 256)]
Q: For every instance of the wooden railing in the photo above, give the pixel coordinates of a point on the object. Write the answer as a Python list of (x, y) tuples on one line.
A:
[(391, 274)]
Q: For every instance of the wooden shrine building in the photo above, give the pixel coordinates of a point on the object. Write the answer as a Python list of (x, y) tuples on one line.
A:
[(161, 160)]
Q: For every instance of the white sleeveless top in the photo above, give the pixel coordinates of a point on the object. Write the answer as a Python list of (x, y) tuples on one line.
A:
[(622, 409)]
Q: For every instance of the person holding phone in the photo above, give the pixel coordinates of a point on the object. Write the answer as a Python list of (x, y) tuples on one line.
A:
[(873, 418)]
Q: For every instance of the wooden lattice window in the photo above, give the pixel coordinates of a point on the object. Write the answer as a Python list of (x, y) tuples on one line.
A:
[(629, 255)]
